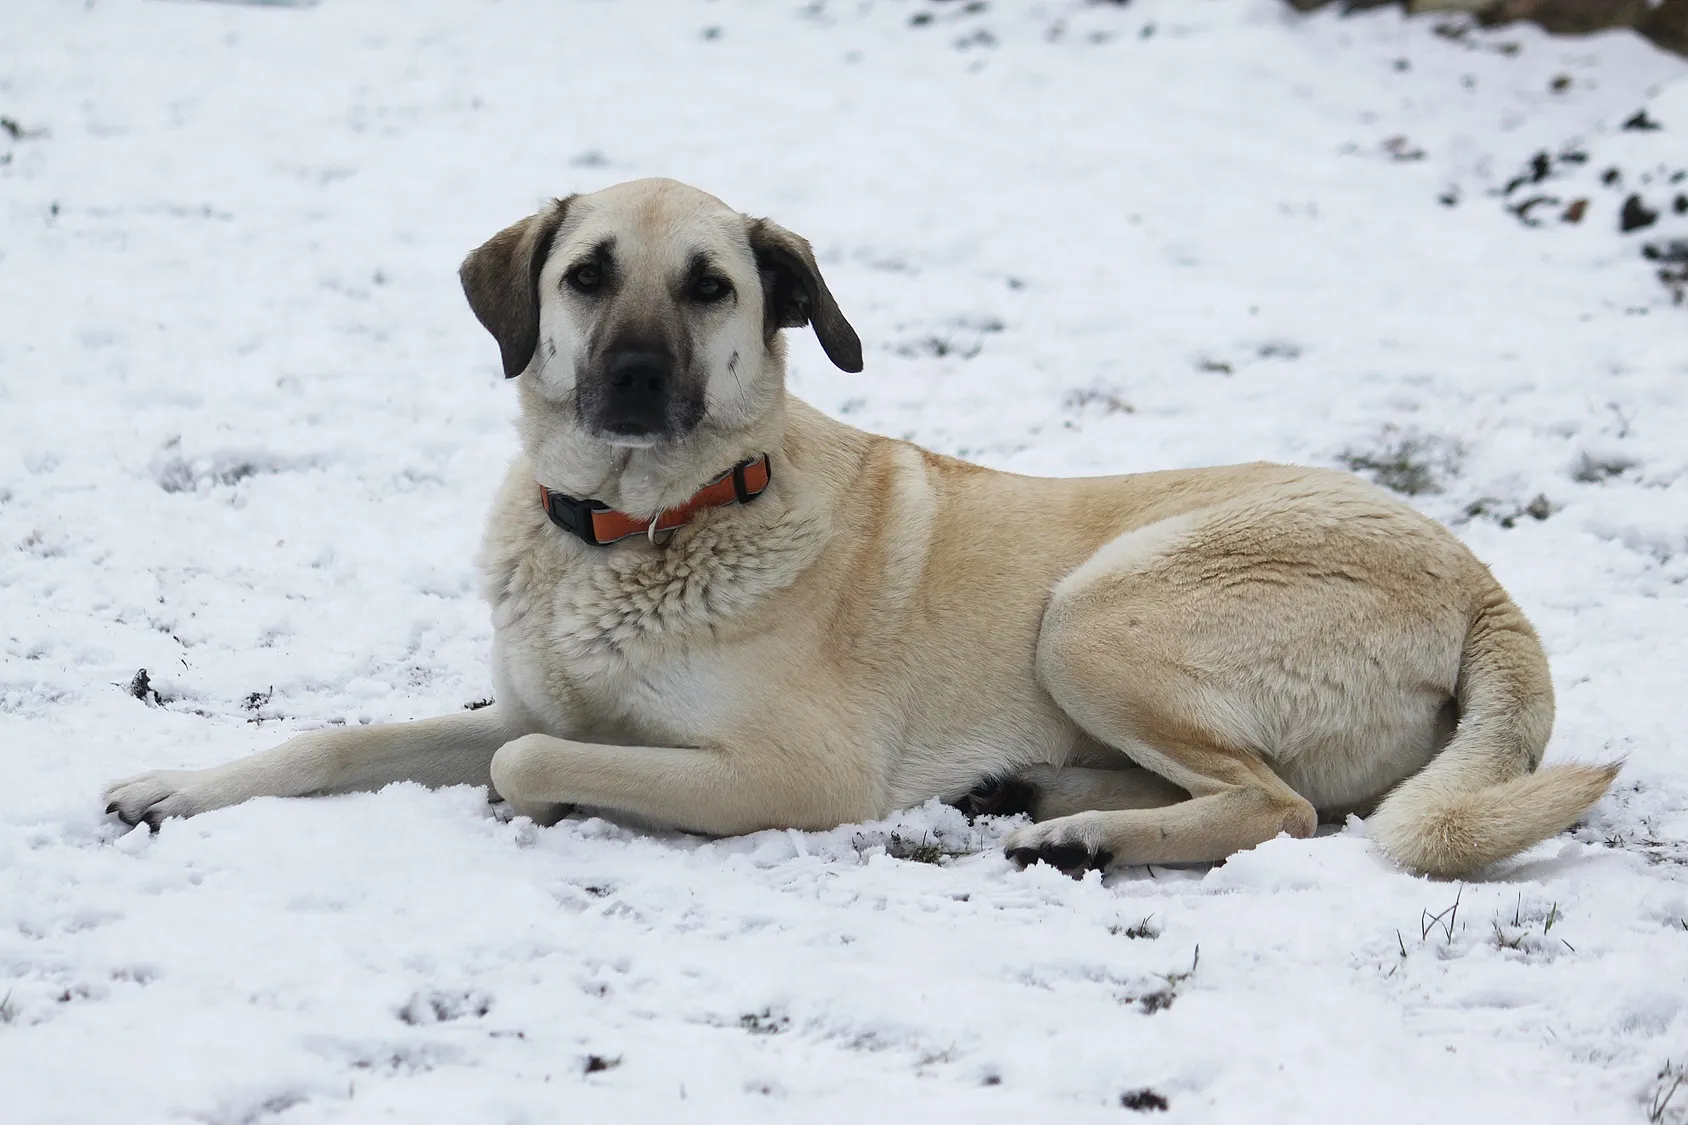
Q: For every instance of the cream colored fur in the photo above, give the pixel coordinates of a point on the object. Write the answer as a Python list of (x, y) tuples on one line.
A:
[(1174, 666)]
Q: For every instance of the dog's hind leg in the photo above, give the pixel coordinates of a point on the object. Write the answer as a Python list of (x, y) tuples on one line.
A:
[(1296, 646), (1236, 802), (1201, 677), (1046, 792)]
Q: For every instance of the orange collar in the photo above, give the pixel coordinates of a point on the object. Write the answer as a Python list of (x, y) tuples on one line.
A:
[(599, 525)]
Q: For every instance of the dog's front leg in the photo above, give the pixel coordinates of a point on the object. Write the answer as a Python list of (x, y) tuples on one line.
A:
[(717, 792), (449, 750)]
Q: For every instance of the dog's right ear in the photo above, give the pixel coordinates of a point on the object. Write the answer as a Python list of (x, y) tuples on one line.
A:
[(501, 280)]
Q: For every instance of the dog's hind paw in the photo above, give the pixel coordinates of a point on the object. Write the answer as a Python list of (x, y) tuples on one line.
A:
[(998, 796), (151, 798), (1066, 844)]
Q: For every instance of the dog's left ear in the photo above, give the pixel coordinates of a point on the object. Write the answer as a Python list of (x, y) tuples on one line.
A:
[(501, 280), (795, 294)]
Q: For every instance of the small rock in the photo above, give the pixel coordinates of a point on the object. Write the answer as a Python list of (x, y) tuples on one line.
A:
[(1402, 149), (1636, 215), (141, 688), (1641, 123), (1144, 1101)]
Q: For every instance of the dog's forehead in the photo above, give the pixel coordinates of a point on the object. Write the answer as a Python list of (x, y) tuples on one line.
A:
[(658, 221)]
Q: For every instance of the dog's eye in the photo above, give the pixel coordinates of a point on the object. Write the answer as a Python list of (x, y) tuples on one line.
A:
[(710, 289), (585, 278)]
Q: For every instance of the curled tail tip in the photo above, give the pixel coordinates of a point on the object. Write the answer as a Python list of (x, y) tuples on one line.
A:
[(1452, 834), (1594, 778)]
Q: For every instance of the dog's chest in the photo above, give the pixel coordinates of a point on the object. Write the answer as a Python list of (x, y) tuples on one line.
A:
[(624, 644)]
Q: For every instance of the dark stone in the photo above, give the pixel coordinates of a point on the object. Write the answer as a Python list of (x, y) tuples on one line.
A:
[(1674, 251), (1641, 123), (1636, 215), (1144, 1101)]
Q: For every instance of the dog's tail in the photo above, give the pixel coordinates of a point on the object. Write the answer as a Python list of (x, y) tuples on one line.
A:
[(1481, 799)]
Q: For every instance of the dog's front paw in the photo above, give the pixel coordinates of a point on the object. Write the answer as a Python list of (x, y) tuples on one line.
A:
[(543, 813), (154, 796), (1074, 844)]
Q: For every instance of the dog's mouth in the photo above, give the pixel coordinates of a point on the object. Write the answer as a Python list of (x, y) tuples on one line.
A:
[(639, 423), (637, 432), (632, 435)]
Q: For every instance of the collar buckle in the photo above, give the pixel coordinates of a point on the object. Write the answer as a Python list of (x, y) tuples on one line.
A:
[(573, 516)]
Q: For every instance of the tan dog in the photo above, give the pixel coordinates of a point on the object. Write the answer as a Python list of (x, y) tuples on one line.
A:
[(1159, 668)]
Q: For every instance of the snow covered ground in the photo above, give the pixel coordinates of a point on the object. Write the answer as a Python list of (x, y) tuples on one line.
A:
[(248, 430)]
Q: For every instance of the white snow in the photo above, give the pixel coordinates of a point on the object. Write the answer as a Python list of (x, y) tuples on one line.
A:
[(248, 430)]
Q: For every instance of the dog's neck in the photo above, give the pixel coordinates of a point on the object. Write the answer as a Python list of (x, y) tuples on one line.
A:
[(638, 480)]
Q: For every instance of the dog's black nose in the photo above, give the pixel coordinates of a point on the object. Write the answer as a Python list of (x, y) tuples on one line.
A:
[(635, 393), (639, 373)]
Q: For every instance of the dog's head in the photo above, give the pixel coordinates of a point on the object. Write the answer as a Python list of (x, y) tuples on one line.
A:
[(644, 312)]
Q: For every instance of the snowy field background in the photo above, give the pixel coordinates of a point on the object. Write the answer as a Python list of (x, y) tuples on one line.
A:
[(248, 431)]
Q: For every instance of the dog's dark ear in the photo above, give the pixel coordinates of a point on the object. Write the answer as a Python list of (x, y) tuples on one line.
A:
[(795, 294), (501, 280)]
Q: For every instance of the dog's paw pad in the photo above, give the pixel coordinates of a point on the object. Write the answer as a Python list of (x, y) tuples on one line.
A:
[(1068, 857)]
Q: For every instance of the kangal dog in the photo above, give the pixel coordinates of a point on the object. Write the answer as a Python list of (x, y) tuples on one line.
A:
[(717, 608)]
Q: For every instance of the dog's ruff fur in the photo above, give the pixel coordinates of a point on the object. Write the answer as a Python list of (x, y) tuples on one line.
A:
[(1168, 667)]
